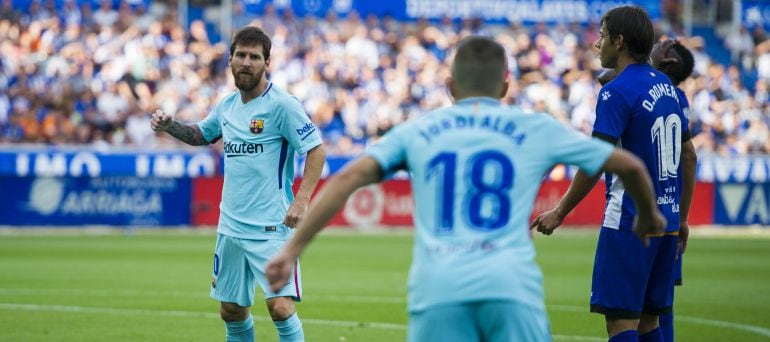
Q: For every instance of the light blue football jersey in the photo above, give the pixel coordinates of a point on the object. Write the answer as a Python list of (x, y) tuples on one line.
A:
[(475, 170), (260, 139), (642, 110)]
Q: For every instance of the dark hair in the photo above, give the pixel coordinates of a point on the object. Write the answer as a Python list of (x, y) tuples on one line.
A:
[(250, 36), (479, 66), (633, 23), (682, 69)]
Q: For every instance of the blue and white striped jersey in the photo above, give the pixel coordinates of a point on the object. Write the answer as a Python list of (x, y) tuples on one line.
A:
[(641, 109)]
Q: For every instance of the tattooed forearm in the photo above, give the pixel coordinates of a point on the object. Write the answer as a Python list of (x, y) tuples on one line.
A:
[(189, 134)]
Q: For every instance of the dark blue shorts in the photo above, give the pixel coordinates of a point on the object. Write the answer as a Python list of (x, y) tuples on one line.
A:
[(630, 279), (678, 271)]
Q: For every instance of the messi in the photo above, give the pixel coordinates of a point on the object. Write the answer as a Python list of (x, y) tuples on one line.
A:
[(305, 129), (242, 148)]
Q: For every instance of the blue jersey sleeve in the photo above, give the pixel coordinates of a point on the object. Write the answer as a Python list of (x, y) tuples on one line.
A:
[(575, 148), (686, 114), (296, 126), (612, 113), (211, 127), (390, 151)]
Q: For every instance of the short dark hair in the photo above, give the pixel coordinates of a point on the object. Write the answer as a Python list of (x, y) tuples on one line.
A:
[(249, 36), (479, 66), (682, 69), (633, 23)]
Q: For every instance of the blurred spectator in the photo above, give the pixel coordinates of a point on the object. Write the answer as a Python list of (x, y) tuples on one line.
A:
[(105, 16), (8, 13), (741, 46)]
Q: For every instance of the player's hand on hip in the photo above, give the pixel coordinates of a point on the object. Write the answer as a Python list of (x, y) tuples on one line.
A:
[(649, 225), (160, 120), (547, 222), (296, 212), (279, 269)]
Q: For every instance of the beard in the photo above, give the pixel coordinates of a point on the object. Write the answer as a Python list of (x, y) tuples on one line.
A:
[(247, 82), (608, 61)]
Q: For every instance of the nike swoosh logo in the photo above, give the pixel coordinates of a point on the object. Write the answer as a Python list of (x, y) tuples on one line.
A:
[(225, 123)]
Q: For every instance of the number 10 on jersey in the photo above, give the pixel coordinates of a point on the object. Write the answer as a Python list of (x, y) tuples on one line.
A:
[(667, 136)]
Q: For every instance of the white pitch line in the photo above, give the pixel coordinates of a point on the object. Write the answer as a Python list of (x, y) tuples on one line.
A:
[(370, 299), (100, 293), (713, 322), (211, 315), (179, 313), (132, 293), (752, 328)]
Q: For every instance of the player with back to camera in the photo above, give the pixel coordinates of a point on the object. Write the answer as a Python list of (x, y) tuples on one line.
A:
[(639, 110), (475, 171), (262, 127)]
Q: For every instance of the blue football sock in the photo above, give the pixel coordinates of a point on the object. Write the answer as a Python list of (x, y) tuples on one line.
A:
[(667, 326), (626, 336), (242, 331), (290, 329), (652, 336)]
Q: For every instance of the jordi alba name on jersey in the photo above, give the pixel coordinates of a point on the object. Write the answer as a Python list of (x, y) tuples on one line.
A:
[(641, 109), (260, 139), (475, 170)]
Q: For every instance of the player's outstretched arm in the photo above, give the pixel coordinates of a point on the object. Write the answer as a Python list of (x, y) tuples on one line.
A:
[(314, 164), (636, 179), (189, 134), (689, 161), (362, 171), (581, 185)]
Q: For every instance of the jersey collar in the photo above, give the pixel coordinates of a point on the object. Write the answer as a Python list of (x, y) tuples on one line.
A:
[(269, 86), (479, 99)]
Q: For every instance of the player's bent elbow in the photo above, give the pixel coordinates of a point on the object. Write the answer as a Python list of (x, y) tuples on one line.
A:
[(629, 167), (689, 156), (688, 152)]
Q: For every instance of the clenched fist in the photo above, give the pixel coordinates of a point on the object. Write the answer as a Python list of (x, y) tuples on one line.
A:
[(160, 121)]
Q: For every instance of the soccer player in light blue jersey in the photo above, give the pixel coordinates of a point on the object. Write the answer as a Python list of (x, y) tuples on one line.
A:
[(640, 111), (262, 127), (475, 171)]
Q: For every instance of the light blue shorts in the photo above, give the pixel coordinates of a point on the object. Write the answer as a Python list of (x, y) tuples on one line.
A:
[(489, 321), (239, 265)]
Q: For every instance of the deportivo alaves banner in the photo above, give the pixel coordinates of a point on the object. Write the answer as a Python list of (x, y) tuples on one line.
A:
[(491, 10), (81, 186), (76, 201), (208, 162)]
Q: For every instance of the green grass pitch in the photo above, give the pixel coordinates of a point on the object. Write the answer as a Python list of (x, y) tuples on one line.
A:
[(153, 286)]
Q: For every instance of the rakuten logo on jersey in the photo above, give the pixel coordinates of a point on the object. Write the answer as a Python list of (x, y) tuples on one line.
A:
[(242, 149)]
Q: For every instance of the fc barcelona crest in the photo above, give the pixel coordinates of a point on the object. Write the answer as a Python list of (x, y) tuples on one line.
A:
[(257, 125)]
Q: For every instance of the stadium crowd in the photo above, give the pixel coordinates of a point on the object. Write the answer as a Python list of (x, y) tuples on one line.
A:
[(83, 75)]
